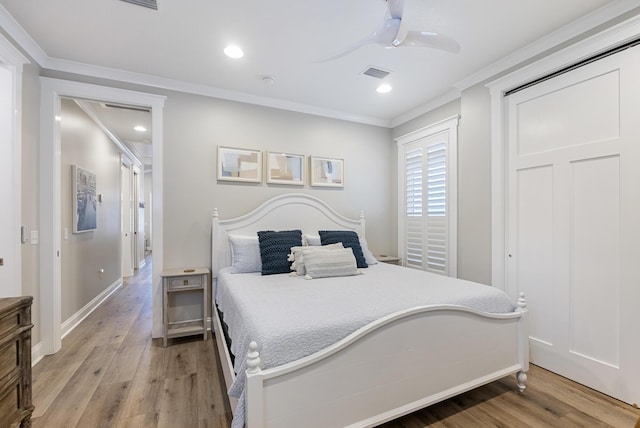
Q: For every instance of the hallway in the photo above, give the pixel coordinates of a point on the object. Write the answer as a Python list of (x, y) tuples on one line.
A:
[(109, 373)]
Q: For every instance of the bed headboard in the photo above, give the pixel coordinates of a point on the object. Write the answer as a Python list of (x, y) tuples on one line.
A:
[(285, 212)]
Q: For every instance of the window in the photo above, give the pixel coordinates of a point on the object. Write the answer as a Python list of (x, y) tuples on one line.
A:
[(427, 198)]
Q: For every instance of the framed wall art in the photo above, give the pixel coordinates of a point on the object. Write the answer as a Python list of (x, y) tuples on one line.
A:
[(84, 200), (285, 168), (239, 165), (327, 172)]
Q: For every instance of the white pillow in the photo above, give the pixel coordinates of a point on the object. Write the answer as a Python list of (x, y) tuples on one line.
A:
[(311, 240), (314, 240), (329, 263), (368, 255), (297, 256), (245, 254)]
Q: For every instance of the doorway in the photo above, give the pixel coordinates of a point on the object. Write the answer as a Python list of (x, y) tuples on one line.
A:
[(11, 63), (52, 90), (565, 209)]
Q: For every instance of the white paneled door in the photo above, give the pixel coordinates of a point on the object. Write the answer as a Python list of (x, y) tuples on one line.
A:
[(573, 232)]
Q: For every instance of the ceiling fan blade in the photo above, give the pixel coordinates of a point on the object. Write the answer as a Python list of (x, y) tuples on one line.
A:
[(383, 36), (341, 53), (395, 8), (430, 40)]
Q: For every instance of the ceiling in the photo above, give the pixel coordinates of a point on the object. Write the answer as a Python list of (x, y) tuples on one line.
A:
[(180, 46), (120, 122)]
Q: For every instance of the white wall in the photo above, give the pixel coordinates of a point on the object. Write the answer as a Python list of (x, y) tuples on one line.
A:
[(194, 126), (8, 285), (148, 199), (84, 255), (474, 186), (29, 193)]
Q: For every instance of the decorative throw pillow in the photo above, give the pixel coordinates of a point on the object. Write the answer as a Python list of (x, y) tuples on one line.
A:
[(275, 248), (329, 263), (245, 254), (297, 256), (349, 239)]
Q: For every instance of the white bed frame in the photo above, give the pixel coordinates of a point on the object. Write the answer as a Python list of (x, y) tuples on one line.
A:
[(389, 368)]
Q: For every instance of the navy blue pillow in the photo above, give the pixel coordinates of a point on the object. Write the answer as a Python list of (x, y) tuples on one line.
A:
[(349, 239), (275, 248)]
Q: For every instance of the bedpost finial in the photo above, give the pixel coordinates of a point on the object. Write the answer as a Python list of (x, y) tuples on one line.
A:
[(522, 302), (215, 213), (361, 214), (253, 358), (521, 379)]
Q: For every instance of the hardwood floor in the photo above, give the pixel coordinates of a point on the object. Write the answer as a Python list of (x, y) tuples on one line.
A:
[(110, 373)]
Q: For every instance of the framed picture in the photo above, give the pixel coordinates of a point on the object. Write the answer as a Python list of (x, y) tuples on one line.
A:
[(239, 164), (327, 172), (84, 200), (285, 168)]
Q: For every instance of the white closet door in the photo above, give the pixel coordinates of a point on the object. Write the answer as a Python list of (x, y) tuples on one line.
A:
[(573, 232)]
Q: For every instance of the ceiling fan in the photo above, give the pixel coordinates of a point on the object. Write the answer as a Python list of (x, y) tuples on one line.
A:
[(394, 33)]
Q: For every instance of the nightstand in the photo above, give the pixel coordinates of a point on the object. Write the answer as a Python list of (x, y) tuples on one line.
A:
[(184, 302), (392, 260)]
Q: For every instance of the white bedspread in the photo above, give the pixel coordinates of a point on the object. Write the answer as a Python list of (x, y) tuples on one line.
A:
[(290, 317)]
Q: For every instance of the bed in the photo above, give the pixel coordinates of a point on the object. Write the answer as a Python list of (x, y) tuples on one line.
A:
[(346, 370)]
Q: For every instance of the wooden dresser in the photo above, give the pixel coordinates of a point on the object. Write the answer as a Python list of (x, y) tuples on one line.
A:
[(15, 362)]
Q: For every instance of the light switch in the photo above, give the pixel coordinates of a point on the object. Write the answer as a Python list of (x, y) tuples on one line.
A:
[(66, 233), (34, 237)]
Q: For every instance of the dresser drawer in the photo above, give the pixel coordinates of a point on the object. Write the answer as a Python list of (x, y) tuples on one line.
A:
[(9, 357), (178, 282), (10, 399), (9, 322)]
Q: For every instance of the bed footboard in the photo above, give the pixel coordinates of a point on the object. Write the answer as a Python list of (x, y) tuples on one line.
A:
[(389, 368)]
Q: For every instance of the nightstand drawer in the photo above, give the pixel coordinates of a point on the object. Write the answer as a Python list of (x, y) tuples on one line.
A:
[(178, 282)]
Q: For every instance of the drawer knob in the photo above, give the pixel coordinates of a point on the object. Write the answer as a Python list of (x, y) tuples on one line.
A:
[(185, 282)]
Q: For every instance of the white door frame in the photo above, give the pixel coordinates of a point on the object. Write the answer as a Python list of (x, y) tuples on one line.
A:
[(601, 42), (12, 60), (50, 194), (126, 232)]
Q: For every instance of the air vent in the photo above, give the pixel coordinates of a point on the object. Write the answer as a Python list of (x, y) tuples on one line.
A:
[(378, 73), (151, 4), (126, 107)]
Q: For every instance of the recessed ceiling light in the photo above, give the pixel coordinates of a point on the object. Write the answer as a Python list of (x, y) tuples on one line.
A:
[(233, 51), (384, 88), (140, 128)]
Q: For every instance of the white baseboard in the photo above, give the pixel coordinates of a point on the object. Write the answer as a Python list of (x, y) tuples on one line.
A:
[(75, 319), (36, 353)]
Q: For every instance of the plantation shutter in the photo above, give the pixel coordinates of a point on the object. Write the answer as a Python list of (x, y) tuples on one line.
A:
[(437, 219), (414, 222), (426, 204)]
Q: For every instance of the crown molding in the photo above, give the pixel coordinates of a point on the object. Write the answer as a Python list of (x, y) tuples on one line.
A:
[(204, 90), (21, 37), (576, 28), (115, 139), (434, 103)]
